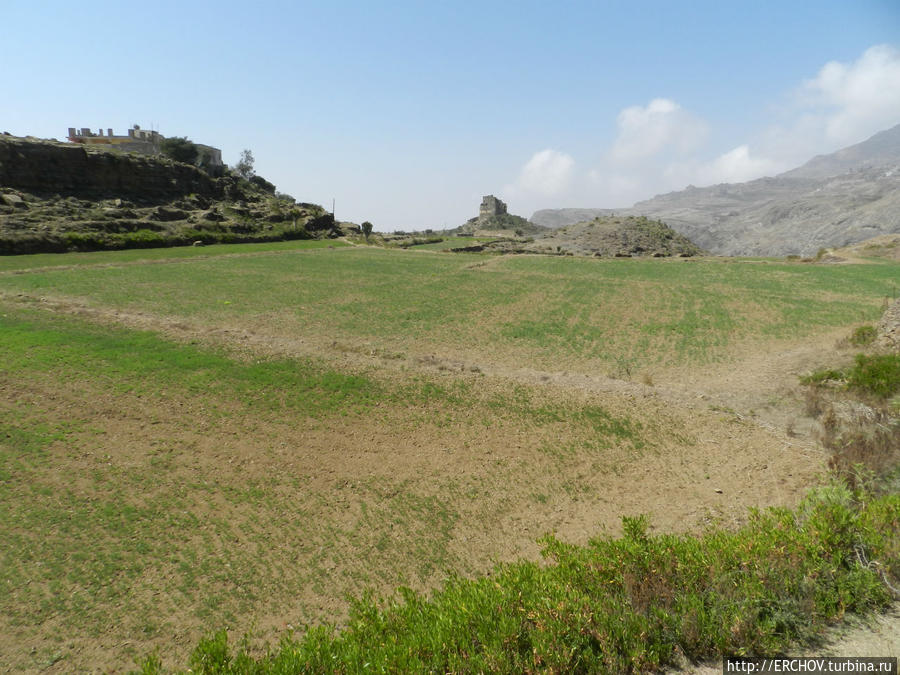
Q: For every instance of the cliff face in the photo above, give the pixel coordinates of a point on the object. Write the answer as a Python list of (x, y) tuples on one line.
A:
[(65, 197), (73, 170)]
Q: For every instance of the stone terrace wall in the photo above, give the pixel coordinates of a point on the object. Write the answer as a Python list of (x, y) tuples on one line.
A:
[(889, 326), (70, 169)]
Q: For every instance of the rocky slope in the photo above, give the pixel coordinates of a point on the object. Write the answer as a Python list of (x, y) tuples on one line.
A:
[(60, 197), (47, 167), (832, 201), (502, 224), (782, 215), (620, 236), (608, 236), (882, 149)]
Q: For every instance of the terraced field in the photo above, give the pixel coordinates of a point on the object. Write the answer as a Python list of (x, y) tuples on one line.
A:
[(242, 436)]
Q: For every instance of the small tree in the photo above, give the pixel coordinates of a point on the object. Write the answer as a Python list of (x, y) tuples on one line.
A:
[(244, 167), (180, 149), (366, 229)]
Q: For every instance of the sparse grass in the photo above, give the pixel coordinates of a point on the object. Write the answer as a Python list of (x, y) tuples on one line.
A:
[(617, 316), (125, 494), (119, 505), (625, 605)]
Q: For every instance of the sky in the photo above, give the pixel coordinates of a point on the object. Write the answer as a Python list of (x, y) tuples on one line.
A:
[(406, 113)]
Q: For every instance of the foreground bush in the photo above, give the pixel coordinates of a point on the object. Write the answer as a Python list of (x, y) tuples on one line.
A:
[(876, 375), (627, 605)]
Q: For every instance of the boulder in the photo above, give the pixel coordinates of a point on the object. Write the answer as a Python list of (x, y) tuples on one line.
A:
[(13, 200), (167, 214)]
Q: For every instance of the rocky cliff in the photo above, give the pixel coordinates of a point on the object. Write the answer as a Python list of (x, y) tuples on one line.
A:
[(46, 167), (60, 197)]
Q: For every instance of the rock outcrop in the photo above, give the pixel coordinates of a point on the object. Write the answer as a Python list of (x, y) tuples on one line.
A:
[(47, 167), (617, 236), (67, 197)]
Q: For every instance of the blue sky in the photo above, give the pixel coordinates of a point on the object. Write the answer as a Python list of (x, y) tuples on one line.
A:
[(406, 113)]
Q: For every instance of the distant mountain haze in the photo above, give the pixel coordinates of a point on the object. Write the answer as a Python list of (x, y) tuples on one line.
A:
[(831, 201)]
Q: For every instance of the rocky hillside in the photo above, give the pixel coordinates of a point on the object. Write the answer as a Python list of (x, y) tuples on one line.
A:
[(784, 216), (619, 236), (882, 150), (832, 201), (608, 236), (501, 224), (47, 167), (61, 197)]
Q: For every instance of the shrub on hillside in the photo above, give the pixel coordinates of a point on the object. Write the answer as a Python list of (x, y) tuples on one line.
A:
[(878, 374), (863, 336), (179, 149)]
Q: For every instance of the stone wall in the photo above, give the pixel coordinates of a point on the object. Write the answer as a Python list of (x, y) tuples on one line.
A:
[(889, 327), (70, 169)]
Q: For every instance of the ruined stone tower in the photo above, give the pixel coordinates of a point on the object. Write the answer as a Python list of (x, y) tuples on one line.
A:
[(491, 206)]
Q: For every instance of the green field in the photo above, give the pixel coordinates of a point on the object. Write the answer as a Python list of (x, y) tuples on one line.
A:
[(613, 316), (240, 436)]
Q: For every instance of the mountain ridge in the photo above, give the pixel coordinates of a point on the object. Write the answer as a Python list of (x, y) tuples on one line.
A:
[(830, 201)]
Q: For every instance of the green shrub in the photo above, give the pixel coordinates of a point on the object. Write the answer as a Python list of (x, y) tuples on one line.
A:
[(85, 241), (863, 336), (822, 376), (878, 375), (144, 239), (180, 149)]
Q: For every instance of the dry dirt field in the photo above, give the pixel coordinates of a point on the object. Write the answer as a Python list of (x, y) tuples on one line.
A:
[(242, 441)]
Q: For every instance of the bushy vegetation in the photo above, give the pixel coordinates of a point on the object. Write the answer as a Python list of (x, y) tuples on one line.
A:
[(876, 375), (409, 242), (632, 604), (854, 405), (863, 336), (62, 242), (180, 149)]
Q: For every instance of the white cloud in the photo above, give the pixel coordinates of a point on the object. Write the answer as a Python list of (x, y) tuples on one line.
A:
[(736, 166), (548, 173), (858, 99), (660, 125), (660, 147)]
